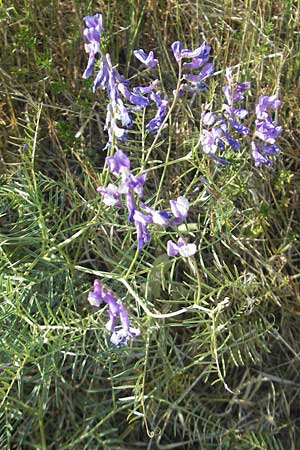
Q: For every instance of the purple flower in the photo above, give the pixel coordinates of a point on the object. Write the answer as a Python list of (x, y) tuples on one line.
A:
[(199, 55), (210, 140), (141, 221), (265, 102), (158, 217), (180, 208), (147, 59), (120, 337), (115, 309), (181, 248), (95, 296), (143, 90), (92, 34), (200, 52), (102, 76), (123, 114), (111, 195), (234, 93), (118, 163), (238, 127), (135, 99), (154, 124), (176, 48), (94, 23), (205, 72), (267, 131), (208, 118), (259, 158)]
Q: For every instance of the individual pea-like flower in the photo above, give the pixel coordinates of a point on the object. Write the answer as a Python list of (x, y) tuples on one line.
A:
[(154, 124), (141, 222), (116, 309), (92, 34), (147, 59), (211, 140), (158, 217), (95, 296), (110, 194), (102, 77), (118, 163), (182, 248), (204, 73), (143, 90), (133, 98), (265, 102), (179, 208)]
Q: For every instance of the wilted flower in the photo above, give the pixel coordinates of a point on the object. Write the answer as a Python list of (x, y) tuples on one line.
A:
[(181, 248), (147, 59)]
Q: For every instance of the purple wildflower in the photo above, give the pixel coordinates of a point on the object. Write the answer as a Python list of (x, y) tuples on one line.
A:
[(118, 163), (267, 131), (115, 309), (180, 208), (265, 102), (92, 34), (135, 99), (181, 248), (111, 195), (205, 72), (154, 124), (176, 48), (211, 139), (143, 90), (141, 221), (147, 59), (95, 296), (102, 76)]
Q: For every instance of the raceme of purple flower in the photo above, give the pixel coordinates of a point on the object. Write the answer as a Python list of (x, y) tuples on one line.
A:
[(140, 214), (181, 248), (234, 92), (148, 60), (199, 58), (92, 34), (266, 130), (98, 295)]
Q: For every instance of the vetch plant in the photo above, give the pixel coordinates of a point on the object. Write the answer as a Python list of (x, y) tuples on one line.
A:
[(219, 133)]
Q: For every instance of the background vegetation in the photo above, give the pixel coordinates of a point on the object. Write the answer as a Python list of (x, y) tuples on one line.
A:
[(224, 380)]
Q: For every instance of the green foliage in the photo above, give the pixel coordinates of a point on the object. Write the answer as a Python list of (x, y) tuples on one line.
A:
[(223, 373)]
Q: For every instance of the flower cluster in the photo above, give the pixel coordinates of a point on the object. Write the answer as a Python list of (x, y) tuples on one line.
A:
[(98, 295), (118, 117), (266, 131), (221, 128), (139, 213), (199, 58)]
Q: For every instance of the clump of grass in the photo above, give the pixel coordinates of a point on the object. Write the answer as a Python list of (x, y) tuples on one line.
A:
[(224, 372)]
